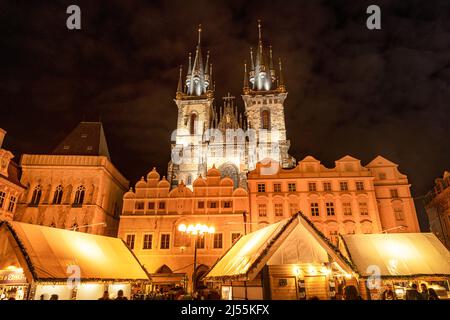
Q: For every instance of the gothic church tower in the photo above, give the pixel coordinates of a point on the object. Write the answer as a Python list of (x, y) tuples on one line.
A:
[(194, 99), (264, 93)]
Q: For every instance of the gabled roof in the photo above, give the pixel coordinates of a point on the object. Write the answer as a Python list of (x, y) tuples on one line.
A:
[(309, 159), (14, 173), (87, 139), (380, 161), (293, 240), (398, 254), (347, 158), (45, 253)]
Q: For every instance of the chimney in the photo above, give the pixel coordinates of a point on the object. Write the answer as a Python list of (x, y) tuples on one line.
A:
[(2, 136)]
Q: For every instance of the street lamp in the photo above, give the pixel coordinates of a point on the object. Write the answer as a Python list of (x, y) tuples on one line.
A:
[(197, 230)]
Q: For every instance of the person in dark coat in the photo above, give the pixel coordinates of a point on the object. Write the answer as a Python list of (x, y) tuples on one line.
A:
[(120, 295), (105, 296), (424, 291), (389, 293), (351, 293), (413, 294), (432, 295)]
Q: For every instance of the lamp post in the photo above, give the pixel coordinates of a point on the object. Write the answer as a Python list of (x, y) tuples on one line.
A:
[(197, 230)]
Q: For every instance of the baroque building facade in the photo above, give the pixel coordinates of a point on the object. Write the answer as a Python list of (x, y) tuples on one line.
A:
[(76, 187), (10, 187), (437, 206), (153, 211), (230, 185), (349, 198)]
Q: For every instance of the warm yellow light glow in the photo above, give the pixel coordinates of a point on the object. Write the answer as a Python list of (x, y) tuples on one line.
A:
[(297, 271), (90, 249), (11, 268), (312, 270), (348, 275), (196, 229), (398, 250), (325, 270)]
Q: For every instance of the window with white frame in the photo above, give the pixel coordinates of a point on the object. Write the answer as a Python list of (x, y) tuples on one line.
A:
[(312, 187), (363, 209), (394, 193), (347, 208), (314, 209), (359, 185), (147, 241), (218, 241), (165, 241), (292, 187), (277, 187), (130, 239), (261, 187), (327, 186), (201, 242), (2, 198), (343, 185), (399, 214), (262, 210), (12, 203), (235, 236), (278, 208), (330, 208)]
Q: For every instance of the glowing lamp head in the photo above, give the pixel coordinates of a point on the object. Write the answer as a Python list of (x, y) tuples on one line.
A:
[(211, 230), (182, 228)]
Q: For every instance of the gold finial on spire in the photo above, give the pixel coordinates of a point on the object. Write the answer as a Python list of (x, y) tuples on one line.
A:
[(199, 33), (259, 30)]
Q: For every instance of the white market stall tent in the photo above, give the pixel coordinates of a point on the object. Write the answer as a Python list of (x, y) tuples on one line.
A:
[(48, 257), (286, 260), (400, 260)]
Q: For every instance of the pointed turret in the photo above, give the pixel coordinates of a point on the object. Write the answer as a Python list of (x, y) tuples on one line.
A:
[(262, 76), (180, 84), (198, 78), (281, 86)]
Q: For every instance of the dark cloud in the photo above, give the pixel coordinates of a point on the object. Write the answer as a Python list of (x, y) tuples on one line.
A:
[(351, 90)]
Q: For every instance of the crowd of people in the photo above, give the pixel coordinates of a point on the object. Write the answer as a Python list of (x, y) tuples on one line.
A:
[(412, 293)]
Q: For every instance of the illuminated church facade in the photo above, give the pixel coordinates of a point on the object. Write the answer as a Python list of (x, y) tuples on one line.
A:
[(227, 183)]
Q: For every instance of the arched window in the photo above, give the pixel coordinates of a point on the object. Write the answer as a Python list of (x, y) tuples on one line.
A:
[(189, 180), (37, 194), (57, 197), (265, 118), (192, 123), (79, 196)]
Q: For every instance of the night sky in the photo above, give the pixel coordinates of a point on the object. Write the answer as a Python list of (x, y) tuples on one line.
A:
[(351, 90)]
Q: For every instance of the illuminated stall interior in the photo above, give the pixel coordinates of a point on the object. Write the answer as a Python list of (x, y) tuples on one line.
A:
[(400, 259), (288, 260), (36, 262)]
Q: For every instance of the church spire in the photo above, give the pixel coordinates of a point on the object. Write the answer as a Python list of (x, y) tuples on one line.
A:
[(262, 75), (198, 78), (245, 87), (281, 86), (180, 82)]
